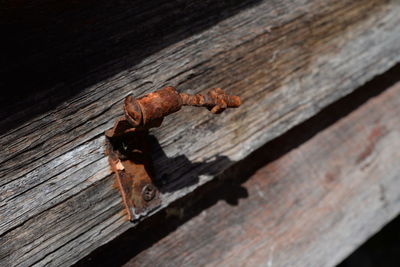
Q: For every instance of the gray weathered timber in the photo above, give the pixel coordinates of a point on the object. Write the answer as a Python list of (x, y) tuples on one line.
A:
[(311, 207), (286, 60)]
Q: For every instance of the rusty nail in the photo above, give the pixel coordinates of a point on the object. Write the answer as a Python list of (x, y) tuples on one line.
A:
[(148, 111), (148, 192), (127, 147)]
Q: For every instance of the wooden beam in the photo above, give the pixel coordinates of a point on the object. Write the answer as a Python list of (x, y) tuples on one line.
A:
[(287, 61), (311, 207)]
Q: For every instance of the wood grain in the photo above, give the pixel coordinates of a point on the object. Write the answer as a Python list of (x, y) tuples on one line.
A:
[(286, 60), (311, 207)]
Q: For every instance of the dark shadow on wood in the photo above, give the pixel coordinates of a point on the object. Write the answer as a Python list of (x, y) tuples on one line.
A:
[(188, 173), (52, 50), (228, 186)]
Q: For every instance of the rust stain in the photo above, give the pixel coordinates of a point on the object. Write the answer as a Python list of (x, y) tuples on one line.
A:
[(376, 134), (330, 177)]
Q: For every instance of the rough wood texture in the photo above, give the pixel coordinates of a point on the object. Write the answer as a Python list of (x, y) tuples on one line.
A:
[(286, 60), (311, 207)]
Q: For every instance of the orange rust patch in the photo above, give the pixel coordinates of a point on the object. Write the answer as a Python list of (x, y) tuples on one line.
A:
[(376, 134)]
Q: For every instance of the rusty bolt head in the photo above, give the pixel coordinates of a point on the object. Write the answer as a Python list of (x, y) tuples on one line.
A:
[(148, 192)]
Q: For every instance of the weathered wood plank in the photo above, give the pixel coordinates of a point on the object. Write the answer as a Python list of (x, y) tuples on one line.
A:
[(311, 207), (286, 61)]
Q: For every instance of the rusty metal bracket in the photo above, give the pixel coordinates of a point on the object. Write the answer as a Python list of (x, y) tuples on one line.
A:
[(127, 145)]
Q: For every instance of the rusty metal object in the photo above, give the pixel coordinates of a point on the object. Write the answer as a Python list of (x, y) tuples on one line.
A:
[(149, 192), (216, 100), (130, 160), (127, 145)]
